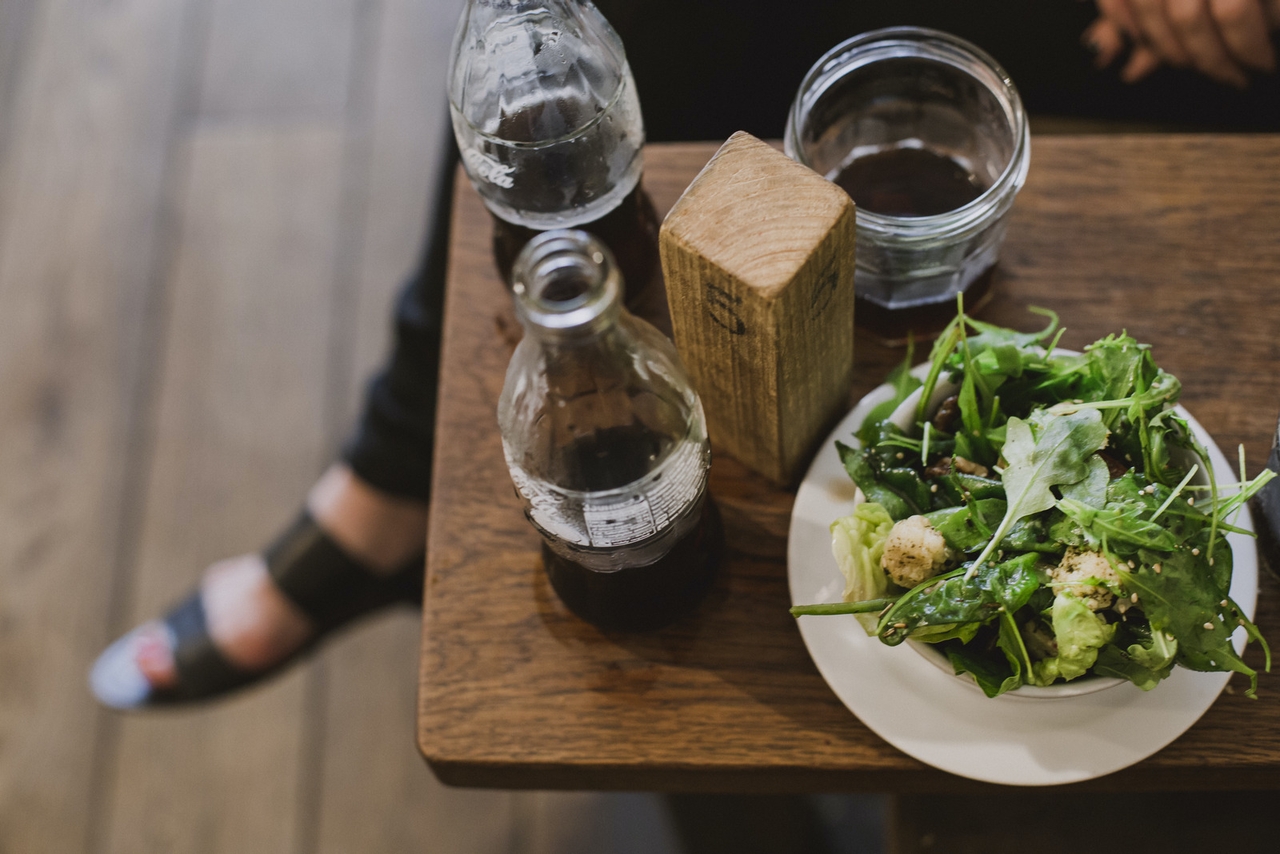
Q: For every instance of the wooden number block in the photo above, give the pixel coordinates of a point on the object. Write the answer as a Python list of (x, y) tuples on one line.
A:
[(758, 256)]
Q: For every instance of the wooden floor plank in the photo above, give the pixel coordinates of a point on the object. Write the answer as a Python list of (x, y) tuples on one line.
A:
[(377, 794), (88, 121), (277, 61), (239, 439)]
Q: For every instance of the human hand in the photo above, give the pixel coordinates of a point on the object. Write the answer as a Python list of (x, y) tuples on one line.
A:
[(1223, 39)]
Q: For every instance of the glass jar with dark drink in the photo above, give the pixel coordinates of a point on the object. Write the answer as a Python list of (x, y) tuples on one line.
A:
[(606, 442), (548, 124), (927, 134)]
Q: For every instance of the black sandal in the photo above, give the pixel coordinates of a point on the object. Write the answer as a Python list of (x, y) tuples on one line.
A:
[(328, 585)]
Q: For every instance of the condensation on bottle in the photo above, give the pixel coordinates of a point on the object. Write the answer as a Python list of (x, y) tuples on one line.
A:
[(548, 124)]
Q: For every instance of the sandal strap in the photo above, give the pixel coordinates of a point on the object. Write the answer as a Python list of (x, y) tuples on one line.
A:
[(202, 669), (329, 585)]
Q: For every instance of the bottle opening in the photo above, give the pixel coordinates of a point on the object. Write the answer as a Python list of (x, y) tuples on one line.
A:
[(562, 283), (564, 280)]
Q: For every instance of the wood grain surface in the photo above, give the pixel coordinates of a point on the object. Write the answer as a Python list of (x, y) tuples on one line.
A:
[(1173, 238), (758, 259)]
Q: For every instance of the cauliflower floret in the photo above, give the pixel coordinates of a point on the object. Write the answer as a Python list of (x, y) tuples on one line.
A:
[(914, 551), (1073, 574)]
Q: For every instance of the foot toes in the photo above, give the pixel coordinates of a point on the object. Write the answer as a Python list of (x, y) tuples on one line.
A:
[(128, 671)]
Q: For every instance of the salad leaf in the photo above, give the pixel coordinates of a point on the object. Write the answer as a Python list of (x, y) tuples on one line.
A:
[(1122, 525), (1144, 663), (899, 490), (967, 529), (903, 385), (1080, 634), (1043, 452), (1184, 601), (955, 598), (857, 541), (993, 677), (1091, 490)]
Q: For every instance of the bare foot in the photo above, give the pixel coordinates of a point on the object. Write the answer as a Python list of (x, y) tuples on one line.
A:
[(252, 623)]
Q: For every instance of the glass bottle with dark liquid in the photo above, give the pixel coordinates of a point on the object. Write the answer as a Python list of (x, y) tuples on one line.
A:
[(606, 443), (913, 182), (548, 123)]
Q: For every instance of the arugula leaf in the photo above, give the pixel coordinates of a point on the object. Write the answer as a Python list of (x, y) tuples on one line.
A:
[(1123, 526), (1047, 451), (1092, 489)]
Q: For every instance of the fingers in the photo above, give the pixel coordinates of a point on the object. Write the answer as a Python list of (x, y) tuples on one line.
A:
[(1199, 34), (1118, 12), (1157, 31), (1104, 38), (1141, 62), (1242, 25)]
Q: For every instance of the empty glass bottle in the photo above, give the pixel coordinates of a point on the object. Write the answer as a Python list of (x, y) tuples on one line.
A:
[(606, 442), (548, 124)]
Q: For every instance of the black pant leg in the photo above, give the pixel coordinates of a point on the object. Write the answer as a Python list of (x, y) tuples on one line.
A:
[(393, 443)]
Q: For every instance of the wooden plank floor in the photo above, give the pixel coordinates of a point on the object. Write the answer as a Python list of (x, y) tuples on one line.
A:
[(206, 207)]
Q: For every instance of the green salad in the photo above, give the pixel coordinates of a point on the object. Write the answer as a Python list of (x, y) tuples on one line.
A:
[(1041, 517)]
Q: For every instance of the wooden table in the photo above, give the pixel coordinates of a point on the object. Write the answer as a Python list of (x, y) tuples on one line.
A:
[(1176, 238)]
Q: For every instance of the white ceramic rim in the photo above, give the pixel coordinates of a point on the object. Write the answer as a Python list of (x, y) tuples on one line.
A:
[(937, 718)]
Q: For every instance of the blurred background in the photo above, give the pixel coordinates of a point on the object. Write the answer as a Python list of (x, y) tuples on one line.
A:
[(206, 207)]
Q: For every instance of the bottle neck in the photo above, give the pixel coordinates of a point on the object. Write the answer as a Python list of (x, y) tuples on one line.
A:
[(567, 287)]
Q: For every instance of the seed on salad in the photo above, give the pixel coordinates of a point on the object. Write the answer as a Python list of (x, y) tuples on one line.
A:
[(1155, 567), (1210, 561), (1240, 621), (1224, 603), (1192, 501), (1134, 598), (1196, 552), (1132, 564), (899, 625), (898, 455), (933, 487), (1208, 627)]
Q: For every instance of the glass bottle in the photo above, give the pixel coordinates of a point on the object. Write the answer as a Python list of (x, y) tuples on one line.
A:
[(606, 442), (548, 124)]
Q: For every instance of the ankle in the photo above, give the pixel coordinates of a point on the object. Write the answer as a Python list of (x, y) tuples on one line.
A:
[(380, 530)]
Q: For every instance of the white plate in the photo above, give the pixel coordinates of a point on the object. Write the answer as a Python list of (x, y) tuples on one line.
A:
[(940, 720)]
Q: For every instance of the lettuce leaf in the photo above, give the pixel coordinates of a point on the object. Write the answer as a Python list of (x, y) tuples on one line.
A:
[(1080, 634), (857, 541)]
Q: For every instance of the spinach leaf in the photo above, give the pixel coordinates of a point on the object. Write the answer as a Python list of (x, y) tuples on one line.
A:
[(899, 491), (955, 598), (1184, 601), (967, 529), (1144, 662), (994, 675)]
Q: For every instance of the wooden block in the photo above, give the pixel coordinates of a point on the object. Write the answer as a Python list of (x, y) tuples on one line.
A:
[(758, 256)]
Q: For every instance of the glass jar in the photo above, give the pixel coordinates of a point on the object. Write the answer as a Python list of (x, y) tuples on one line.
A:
[(928, 134), (606, 442)]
